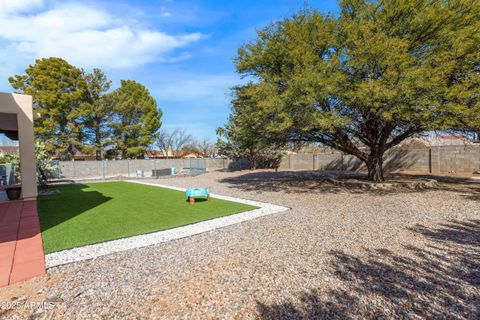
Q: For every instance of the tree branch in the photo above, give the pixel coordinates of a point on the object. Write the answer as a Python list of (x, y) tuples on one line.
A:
[(406, 134)]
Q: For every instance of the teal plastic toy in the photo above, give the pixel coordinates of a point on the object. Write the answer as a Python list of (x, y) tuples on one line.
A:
[(197, 192)]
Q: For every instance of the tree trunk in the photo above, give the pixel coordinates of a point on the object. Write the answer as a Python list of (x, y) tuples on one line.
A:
[(375, 167), (98, 141), (253, 164), (253, 160)]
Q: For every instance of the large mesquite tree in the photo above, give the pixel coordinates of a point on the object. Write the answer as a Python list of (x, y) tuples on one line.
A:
[(367, 79)]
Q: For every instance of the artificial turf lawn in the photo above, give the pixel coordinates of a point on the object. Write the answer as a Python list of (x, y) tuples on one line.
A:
[(95, 212)]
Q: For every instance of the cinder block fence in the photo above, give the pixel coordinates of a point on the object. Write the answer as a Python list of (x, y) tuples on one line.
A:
[(435, 160)]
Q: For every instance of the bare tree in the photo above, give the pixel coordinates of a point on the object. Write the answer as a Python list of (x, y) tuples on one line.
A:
[(164, 142), (174, 143), (206, 147)]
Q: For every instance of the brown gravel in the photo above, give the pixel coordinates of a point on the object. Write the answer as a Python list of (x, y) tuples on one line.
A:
[(337, 254)]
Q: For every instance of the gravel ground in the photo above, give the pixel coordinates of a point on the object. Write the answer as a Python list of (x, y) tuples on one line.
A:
[(337, 254)]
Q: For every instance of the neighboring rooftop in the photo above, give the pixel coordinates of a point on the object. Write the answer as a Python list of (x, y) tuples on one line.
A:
[(8, 150), (436, 141)]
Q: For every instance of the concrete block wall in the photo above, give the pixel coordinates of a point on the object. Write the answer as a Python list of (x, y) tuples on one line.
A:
[(285, 163), (456, 159), (436, 160), (112, 168), (333, 161), (352, 163), (128, 168), (408, 160), (301, 161)]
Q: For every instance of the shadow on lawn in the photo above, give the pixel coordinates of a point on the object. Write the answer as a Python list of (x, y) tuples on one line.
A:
[(321, 182), (197, 200), (74, 199), (441, 280)]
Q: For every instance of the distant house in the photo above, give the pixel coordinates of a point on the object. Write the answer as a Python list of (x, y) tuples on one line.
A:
[(421, 142), (192, 154), (162, 154), (158, 154), (79, 156), (4, 150)]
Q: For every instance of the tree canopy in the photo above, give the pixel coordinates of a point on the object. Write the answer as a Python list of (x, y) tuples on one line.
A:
[(365, 80), (57, 89), (136, 119), (79, 114), (245, 134), (98, 111)]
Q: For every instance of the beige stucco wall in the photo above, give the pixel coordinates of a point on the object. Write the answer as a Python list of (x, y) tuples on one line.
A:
[(21, 105)]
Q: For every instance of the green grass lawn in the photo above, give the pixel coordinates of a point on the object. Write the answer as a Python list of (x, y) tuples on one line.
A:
[(95, 212)]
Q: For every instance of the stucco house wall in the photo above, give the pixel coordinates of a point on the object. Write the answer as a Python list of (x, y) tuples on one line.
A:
[(21, 106)]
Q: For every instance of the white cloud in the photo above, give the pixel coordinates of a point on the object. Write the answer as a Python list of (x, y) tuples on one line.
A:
[(84, 35), (11, 6), (165, 12), (184, 56)]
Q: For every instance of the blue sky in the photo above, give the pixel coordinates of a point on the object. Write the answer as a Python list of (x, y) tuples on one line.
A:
[(181, 51)]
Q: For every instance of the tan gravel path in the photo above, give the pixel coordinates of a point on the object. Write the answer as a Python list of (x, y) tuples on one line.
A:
[(336, 254)]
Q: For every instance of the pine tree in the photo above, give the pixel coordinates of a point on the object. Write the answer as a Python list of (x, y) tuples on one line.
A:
[(57, 89), (135, 120), (97, 111)]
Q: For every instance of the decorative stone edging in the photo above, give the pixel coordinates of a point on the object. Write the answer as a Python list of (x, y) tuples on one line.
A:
[(112, 246)]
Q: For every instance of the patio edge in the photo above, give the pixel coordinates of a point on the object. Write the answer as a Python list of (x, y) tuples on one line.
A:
[(108, 247)]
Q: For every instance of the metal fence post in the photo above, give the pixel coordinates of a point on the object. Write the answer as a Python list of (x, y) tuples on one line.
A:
[(128, 168), (430, 160), (103, 170), (455, 166), (439, 159), (58, 168)]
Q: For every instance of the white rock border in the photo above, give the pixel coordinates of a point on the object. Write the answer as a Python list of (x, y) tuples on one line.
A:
[(101, 249)]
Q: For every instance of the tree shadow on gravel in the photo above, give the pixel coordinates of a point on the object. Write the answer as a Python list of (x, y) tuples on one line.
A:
[(441, 280), (289, 182), (312, 182), (334, 304)]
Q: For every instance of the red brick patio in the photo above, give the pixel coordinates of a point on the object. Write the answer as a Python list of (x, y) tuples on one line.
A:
[(21, 250)]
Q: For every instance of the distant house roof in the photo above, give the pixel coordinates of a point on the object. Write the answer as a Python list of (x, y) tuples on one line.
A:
[(436, 141), (158, 154), (78, 156), (8, 150)]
